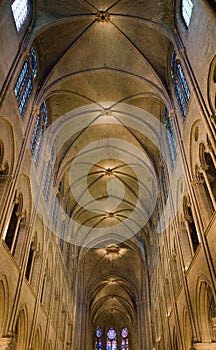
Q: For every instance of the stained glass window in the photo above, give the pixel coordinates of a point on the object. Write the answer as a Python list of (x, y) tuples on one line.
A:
[(183, 82), (20, 10), (124, 340), (187, 8), (33, 58), (111, 339), (98, 341), (21, 79), (181, 87), (170, 136), (124, 332), (24, 83), (39, 129), (98, 332), (25, 97), (111, 334)]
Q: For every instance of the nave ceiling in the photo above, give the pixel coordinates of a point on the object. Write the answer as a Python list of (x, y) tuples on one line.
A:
[(95, 52)]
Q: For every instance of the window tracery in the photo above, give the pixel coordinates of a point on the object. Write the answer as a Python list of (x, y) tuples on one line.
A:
[(113, 340), (25, 80), (182, 90)]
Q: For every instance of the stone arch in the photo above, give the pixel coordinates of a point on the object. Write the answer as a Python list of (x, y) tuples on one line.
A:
[(196, 137), (7, 150), (206, 311), (211, 87), (35, 254), (4, 294), (37, 344), (21, 329), (175, 340), (14, 223), (49, 346), (25, 187), (208, 172), (190, 224), (187, 331)]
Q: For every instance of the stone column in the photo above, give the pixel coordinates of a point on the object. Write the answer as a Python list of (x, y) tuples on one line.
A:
[(144, 325), (85, 326)]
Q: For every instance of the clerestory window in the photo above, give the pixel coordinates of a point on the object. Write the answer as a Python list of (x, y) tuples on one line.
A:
[(24, 83), (20, 10), (181, 87), (187, 8)]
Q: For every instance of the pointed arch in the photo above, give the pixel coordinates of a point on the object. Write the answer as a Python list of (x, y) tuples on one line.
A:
[(4, 297), (21, 329), (38, 339)]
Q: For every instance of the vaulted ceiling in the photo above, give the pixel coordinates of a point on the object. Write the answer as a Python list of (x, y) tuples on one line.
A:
[(107, 54)]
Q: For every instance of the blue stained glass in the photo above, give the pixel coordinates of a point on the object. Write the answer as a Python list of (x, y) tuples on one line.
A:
[(109, 344), (181, 87), (34, 62), (35, 134), (21, 79), (111, 334), (180, 98), (99, 344), (99, 332), (25, 97), (20, 12), (182, 80), (24, 83), (187, 8)]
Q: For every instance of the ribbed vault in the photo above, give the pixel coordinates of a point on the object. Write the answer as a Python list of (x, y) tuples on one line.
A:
[(98, 52)]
